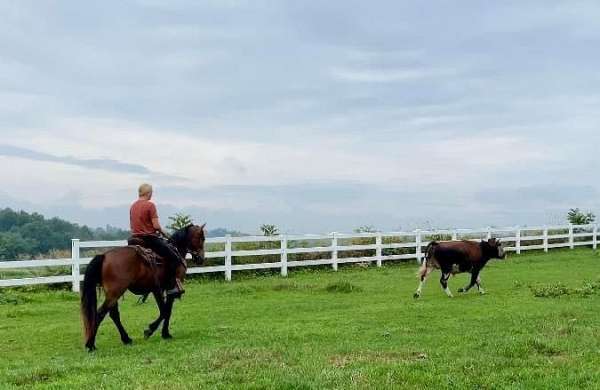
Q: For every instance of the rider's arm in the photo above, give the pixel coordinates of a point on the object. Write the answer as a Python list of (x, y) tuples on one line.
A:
[(157, 227), (155, 220)]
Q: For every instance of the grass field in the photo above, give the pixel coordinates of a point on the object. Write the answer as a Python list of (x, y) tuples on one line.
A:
[(357, 328)]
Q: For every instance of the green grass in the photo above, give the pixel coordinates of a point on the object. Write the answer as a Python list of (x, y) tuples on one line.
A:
[(357, 328)]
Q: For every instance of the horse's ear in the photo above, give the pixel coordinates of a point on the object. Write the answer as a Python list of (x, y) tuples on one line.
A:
[(203, 226)]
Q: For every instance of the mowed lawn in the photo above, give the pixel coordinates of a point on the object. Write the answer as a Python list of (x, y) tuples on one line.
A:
[(355, 328)]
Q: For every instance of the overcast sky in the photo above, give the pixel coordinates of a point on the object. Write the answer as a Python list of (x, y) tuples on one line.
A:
[(316, 116)]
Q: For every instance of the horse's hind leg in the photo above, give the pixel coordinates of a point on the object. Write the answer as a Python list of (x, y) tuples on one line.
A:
[(423, 274), (161, 308), (102, 311), (109, 303), (116, 317), (168, 311)]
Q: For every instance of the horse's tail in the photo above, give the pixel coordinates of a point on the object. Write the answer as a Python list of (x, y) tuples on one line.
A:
[(430, 248), (428, 255), (93, 277)]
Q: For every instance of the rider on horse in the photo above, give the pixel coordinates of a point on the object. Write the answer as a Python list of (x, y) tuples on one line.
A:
[(146, 227)]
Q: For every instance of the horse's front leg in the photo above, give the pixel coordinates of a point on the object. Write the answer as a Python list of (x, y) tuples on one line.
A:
[(161, 309), (167, 317), (444, 282), (478, 282), (474, 278)]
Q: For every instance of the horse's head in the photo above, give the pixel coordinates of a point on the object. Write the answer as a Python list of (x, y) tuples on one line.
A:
[(191, 240), (497, 249)]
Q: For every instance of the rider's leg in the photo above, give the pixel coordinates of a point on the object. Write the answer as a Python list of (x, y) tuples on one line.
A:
[(171, 259)]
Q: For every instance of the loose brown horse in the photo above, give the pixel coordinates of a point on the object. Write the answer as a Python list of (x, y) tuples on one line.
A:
[(122, 269)]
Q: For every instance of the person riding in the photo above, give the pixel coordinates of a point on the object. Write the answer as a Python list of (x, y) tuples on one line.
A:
[(145, 225)]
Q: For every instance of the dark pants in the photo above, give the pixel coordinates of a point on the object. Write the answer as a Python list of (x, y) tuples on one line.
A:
[(167, 252)]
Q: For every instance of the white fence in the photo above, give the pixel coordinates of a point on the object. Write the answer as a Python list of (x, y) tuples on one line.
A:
[(338, 246)]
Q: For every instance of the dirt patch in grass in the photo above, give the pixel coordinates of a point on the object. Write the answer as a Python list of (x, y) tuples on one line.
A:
[(238, 289), (38, 376), (245, 357), (342, 287), (376, 357), (292, 287), (542, 348)]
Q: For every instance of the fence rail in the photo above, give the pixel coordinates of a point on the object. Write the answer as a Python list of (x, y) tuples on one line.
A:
[(517, 239)]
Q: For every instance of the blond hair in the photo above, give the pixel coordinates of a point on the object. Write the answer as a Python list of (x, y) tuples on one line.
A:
[(144, 189)]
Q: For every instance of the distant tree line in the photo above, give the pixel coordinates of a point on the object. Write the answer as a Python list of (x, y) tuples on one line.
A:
[(25, 234)]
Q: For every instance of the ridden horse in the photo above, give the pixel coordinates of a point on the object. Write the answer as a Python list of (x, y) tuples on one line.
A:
[(125, 268), (454, 257)]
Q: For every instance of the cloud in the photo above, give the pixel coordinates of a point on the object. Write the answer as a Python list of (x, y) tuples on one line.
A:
[(96, 164), (385, 75), (322, 114)]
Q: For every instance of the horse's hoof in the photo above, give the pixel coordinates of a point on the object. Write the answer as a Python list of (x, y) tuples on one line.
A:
[(91, 348), (127, 341), (147, 333), (167, 336), (416, 295), (481, 292), (461, 290)]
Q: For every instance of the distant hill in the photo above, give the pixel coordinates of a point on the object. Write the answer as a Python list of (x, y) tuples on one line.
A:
[(25, 234)]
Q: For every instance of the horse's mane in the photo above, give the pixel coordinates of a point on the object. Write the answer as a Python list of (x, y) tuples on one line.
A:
[(180, 235)]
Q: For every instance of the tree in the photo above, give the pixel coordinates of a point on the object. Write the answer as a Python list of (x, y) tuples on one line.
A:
[(577, 217), (179, 221), (365, 229), (269, 230), (13, 245)]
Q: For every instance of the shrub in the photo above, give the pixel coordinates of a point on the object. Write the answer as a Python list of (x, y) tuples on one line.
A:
[(552, 290)]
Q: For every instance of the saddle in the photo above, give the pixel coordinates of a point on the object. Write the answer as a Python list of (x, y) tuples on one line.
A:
[(148, 255)]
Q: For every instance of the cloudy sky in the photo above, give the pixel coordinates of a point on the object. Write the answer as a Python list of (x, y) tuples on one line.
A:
[(316, 116)]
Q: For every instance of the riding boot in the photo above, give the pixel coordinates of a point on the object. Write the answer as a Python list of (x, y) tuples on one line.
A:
[(174, 285)]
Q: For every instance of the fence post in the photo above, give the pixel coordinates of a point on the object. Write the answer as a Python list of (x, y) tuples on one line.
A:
[(595, 237), (75, 264), (518, 240), (379, 250), (418, 239), (489, 232), (334, 251), (228, 257), (454, 235), (284, 255), (545, 239), (571, 237)]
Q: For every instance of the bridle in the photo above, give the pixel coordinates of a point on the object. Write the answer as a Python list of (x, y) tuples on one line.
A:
[(196, 253)]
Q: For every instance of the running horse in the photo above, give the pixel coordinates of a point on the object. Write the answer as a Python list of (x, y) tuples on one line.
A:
[(454, 257), (128, 268)]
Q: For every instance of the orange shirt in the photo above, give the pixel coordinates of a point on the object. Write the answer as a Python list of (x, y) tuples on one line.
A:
[(140, 216)]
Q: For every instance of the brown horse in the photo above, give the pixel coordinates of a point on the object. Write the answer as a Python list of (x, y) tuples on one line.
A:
[(122, 269)]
